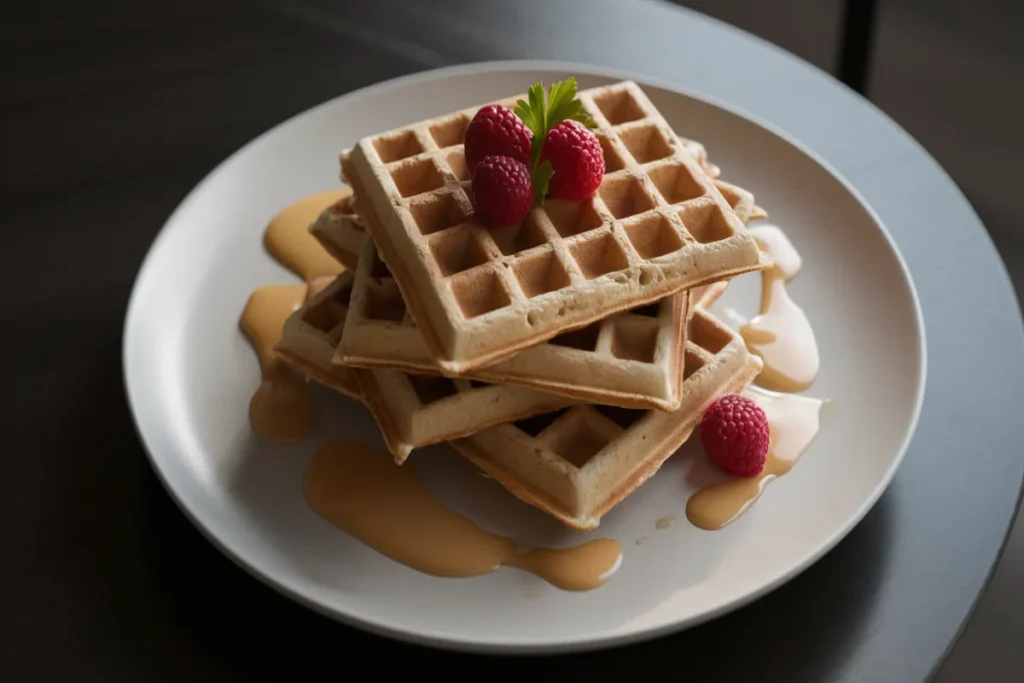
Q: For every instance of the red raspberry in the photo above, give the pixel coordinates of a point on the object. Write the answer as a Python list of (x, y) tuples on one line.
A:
[(502, 191), (577, 160), (735, 435), (496, 131)]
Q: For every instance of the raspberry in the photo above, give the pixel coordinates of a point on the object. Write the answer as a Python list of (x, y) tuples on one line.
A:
[(496, 131), (735, 435), (577, 160), (502, 191)]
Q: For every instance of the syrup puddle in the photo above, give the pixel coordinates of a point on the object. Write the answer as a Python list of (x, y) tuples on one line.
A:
[(283, 407), (794, 423), (781, 334), (288, 240), (360, 490)]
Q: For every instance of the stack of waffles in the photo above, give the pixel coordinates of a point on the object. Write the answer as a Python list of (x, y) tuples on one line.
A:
[(567, 356)]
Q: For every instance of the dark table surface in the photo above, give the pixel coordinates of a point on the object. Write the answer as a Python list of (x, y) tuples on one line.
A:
[(112, 112)]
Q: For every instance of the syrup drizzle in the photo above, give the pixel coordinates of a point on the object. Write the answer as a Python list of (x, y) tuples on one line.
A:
[(288, 240), (282, 408), (781, 334), (360, 490)]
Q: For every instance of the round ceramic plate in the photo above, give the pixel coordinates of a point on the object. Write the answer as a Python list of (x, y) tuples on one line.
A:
[(190, 374)]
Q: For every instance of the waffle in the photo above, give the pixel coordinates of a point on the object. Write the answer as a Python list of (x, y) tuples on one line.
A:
[(338, 229), (656, 226), (576, 464), (311, 333), (411, 410), (632, 359)]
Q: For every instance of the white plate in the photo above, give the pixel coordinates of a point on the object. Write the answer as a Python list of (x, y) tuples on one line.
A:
[(190, 374)]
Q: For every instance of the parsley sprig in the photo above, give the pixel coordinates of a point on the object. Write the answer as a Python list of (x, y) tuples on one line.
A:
[(543, 112)]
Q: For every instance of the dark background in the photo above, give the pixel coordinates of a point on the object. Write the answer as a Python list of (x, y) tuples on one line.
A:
[(102, 82)]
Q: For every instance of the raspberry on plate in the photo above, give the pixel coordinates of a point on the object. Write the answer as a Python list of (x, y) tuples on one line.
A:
[(496, 131), (502, 191), (736, 435), (577, 161)]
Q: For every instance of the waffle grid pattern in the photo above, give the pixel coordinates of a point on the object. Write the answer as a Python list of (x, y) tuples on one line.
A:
[(411, 410), (579, 462), (339, 231), (633, 359), (655, 223), (311, 333)]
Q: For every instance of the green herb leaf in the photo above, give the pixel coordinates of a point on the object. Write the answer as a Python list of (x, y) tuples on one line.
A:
[(533, 118), (536, 110), (541, 178), (525, 114), (573, 111), (541, 112), (563, 105), (561, 94)]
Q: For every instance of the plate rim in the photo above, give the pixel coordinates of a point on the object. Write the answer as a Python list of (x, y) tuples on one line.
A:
[(508, 646)]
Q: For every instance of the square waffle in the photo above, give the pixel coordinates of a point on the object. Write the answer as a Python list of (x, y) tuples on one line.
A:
[(411, 410), (633, 359), (656, 226), (578, 463)]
